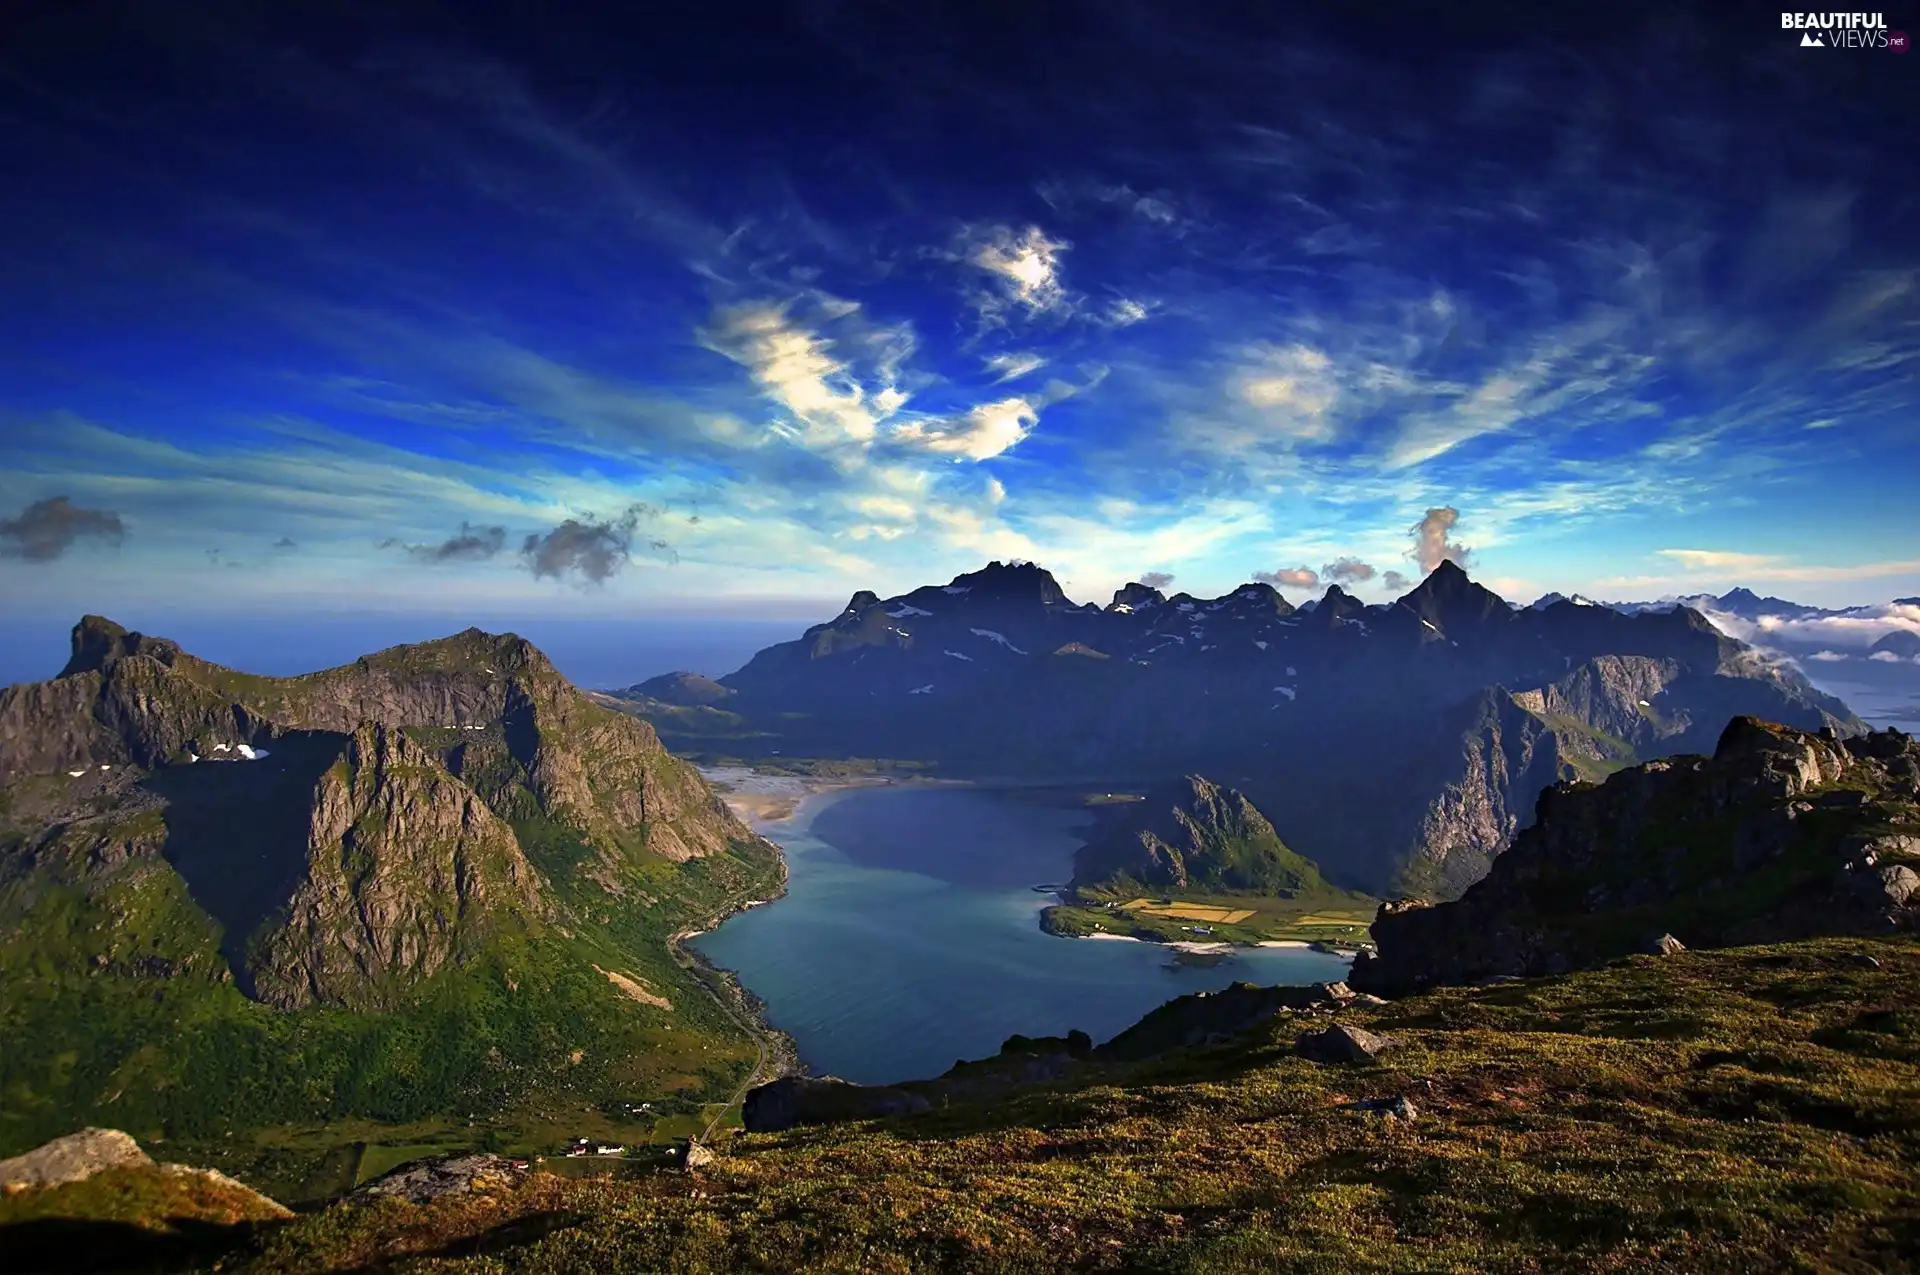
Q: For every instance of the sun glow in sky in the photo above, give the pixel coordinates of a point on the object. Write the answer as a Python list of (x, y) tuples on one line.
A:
[(731, 312)]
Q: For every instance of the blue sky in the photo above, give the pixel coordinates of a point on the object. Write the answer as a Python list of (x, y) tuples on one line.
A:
[(496, 312)]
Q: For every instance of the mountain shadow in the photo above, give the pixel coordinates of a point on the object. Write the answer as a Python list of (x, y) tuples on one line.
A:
[(237, 832)]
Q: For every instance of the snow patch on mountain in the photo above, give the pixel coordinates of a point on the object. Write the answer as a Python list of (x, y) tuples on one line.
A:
[(906, 610), (922, 690), (994, 636), (956, 655)]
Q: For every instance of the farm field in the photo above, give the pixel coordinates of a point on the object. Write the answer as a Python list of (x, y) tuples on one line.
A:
[(1324, 917)]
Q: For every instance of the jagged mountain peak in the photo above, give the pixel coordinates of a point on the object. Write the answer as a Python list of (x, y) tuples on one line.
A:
[(1449, 596), (1012, 579)]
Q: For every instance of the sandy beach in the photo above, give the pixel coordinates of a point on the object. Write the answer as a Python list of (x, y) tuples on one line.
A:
[(763, 799), (1201, 949)]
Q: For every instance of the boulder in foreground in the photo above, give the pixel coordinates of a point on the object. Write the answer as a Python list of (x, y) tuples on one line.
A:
[(74, 1158)]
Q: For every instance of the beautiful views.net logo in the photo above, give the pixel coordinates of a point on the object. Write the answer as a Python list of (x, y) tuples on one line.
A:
[(1844, 31)]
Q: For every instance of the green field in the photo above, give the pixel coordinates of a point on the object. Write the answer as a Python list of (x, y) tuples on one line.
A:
[(1333, 917)]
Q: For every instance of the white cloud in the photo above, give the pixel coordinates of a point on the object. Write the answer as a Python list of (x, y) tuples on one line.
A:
[(1826, 657), (980, 434), (1011, 367), (1124, 312), (1294, 390), (1718, 560), (1025, 269), (1761, 566), (1859, 628), (1432, 539), (796, 367)]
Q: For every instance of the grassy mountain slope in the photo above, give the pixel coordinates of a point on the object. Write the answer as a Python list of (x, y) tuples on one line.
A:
[(485, 866)]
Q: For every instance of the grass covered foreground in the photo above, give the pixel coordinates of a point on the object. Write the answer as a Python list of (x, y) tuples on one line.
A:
[(1742, 1110)]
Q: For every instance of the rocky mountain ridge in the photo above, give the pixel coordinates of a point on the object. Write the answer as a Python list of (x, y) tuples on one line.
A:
[(1780, 834), (1472, 706), (353, 830)]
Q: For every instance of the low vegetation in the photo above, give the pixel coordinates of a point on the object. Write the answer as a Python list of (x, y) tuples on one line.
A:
[(1740, 1110)]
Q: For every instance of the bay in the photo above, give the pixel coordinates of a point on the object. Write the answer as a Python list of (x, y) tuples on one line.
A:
[(909, 935)]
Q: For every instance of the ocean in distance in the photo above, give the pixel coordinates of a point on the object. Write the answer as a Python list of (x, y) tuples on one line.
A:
[(909, 935)]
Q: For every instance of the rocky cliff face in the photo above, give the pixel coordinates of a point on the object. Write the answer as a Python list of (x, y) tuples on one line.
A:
[(1498, 759), (1193, 834), (407, 869), (370, 840), (1780, 834)]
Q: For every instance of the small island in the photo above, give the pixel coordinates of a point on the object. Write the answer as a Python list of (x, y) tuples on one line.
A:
[(1198, 865)]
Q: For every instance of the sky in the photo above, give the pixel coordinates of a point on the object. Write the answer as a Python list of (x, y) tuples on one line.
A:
[(716, 313)]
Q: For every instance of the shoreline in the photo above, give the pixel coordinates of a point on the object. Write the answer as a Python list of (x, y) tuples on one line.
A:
[(760, 801), (1193, 946)]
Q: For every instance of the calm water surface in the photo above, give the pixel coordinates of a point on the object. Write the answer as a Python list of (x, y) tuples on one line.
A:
[(909, 936)]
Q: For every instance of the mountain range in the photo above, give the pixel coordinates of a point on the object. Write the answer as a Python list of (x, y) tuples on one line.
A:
[(1397, 745), (198, 866)]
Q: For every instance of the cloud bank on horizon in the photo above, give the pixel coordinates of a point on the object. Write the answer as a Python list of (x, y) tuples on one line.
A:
[(561, 316)]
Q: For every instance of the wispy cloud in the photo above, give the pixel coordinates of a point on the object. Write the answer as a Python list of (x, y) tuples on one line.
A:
[(1022, 268), (472, 544), (1011, 367)]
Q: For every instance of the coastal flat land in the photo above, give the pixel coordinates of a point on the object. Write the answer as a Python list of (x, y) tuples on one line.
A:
[(1332, 917), (1189, 911)]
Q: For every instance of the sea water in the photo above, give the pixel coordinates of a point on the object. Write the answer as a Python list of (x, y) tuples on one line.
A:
[(909, 935)]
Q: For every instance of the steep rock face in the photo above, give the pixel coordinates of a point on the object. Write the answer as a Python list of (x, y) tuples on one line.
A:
[(407, 868), (524, 733), (1780, 834), (123, 699), (603, 774), (1500, 760), (1611, 694), (1194, 834)]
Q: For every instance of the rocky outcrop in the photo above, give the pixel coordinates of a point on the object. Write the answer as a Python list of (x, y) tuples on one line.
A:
[(801, 1100), (1205, 1018), (90, 1152), (74, 1158), (1780, 834), (1342, 1043), (436, 1178), (123, 699), (406, 868), (1193, 834)]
